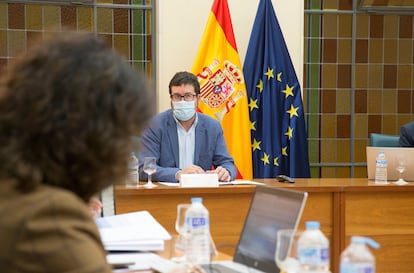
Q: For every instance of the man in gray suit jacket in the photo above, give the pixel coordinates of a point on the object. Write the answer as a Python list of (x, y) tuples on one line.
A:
[(407, 135), (184, 141)]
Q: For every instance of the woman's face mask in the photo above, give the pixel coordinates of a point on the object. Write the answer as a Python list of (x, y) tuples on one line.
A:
[(184, 110)]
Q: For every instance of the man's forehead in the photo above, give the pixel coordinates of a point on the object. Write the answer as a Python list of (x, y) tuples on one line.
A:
[(183, 87)]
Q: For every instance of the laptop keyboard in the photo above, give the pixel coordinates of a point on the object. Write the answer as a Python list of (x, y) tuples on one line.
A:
[(217, 268)]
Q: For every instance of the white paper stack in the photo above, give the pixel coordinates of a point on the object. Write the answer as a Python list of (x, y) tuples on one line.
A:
[(136, 231)]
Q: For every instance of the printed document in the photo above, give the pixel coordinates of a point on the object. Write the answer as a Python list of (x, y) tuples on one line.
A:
[(135, 231)]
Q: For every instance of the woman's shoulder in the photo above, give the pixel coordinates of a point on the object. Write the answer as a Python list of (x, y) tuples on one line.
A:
[(54, 222), (43, 200)]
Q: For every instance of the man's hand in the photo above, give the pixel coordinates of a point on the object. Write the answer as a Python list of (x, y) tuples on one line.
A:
[(222, 173), (189, 170)]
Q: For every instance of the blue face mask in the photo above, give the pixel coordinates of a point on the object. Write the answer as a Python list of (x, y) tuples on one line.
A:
[(184, 110)]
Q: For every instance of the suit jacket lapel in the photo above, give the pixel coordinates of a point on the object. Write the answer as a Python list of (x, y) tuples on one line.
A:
[(199, 139), (173, 138)]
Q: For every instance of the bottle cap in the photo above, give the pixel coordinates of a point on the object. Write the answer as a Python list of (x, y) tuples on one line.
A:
[(365, 240), (312, 224), (196, 200)]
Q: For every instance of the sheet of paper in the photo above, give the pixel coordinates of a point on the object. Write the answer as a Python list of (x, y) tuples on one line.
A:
[(138, 261), (170, 184), (135, 245), (234, 182), (240, 182)]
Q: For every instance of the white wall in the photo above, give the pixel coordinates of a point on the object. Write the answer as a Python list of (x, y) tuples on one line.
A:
[(181, 24)]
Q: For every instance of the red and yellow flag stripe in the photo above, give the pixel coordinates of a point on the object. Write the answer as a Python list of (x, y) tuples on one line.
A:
[(223, 91)]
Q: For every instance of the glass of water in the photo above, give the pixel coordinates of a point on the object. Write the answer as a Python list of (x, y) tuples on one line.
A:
[(150, 167)]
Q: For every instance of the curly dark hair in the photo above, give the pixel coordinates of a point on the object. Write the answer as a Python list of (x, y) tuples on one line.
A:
[(184, 77), (68, 109)]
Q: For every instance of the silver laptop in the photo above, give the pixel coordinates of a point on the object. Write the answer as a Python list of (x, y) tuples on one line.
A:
[(393, 155), (271, 209)]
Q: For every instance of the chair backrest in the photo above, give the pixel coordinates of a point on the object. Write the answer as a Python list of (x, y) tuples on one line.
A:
[(384, 140)]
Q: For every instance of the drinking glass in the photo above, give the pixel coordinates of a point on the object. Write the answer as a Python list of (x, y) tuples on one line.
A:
[(286, 250), (181, 230), (400, 168), (150, 166)]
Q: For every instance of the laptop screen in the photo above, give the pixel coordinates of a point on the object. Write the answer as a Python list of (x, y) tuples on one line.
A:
[(271, 209), (395, 156)]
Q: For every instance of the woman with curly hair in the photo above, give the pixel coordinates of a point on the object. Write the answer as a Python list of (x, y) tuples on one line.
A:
[(68, 109)]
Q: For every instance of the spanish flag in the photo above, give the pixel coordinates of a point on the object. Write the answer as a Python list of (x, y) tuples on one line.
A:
[(223, 93)]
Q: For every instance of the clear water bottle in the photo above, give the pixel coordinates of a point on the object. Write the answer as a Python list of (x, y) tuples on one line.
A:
[(357, 258), (381, 168), (313, 249), (133, 176), (197, 224)]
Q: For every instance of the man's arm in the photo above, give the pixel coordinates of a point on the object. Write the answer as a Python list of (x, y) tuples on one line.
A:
[(154, 143), (223, 159), (407, 135)]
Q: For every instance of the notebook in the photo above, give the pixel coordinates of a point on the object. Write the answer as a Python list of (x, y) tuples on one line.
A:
[(271, 209), (393, 154)]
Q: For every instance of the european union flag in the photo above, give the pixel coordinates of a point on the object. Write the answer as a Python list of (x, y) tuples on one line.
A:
[(277, 123)]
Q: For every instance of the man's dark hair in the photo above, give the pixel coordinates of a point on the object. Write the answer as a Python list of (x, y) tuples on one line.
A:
[(68, 108), (184, 77)]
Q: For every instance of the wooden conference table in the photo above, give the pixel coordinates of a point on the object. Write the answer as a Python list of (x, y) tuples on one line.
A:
[(343, 206)]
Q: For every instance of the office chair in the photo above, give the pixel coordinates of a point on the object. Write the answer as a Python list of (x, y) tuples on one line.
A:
[(384, 140)]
